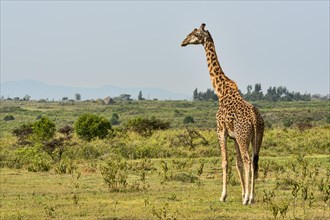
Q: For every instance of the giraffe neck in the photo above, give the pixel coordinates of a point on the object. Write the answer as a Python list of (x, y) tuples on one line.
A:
[(221, 83)]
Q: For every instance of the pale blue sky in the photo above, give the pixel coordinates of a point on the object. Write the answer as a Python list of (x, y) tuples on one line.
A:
[(137, 43)]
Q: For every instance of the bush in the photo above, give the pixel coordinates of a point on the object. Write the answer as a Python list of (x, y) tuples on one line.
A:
[(89, 151), (145, 126), (303, 125), (328, 119), (190, 137), (287, 122), (115, 173), (89, 126), (23, 133), (10, 160), (44, 129), (36, 159), (188, 119), (65, 166), (8, 118), (114, 119), (39, 164), (55, 148), (67, 130)]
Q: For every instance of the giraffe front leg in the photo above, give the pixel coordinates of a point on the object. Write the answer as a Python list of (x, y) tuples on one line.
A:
[(223, 143), (224, 181)]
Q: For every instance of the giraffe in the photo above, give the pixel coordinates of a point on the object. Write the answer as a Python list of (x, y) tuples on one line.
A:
[(236, 119)]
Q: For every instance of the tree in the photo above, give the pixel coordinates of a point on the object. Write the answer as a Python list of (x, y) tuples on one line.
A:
[(208, 95), (26, 98), (140, 97), (257, 93), (124, 97), (254, 95), (248, 94), (195, 95), (249, 89), (44, 129), (90, 126), (77, 97)]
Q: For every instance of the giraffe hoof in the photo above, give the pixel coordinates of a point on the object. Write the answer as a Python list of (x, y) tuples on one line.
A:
[(245, 201), (223, 198)]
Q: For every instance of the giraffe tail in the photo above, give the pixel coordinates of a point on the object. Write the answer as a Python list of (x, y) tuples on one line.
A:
[(258, 126), (255, 165), (255, 151)]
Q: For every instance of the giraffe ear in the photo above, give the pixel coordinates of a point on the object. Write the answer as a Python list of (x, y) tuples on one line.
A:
[(202, 27)]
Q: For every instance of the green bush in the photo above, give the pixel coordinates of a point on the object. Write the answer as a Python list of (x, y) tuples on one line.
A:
[(188, 119), (34, 157), (10, 160), (287, 122), (328, 119), (39, 164), (89, 126), (8, 118), (115, 173), (114, 120), (185, 177), (65, 166), (145, 126), (89, 151), (44, 129)]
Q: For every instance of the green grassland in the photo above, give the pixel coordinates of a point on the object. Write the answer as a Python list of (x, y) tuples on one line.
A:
[(274, 113), (127, 176)]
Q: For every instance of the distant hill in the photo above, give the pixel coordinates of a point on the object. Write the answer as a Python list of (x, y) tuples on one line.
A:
[(38, 90)]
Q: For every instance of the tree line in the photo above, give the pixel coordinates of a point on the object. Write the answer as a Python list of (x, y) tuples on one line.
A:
[(273, 94)]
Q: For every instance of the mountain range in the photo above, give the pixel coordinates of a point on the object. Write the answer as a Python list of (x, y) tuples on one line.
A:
[(38, 90)]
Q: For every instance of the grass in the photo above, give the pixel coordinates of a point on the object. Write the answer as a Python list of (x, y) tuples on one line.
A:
[(174, 111), (29, 195), (163, 177)]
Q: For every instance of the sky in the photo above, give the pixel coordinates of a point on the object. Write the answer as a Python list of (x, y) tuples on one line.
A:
[(137, 43)]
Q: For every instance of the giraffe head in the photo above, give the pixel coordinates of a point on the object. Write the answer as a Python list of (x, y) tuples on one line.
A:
[(197, 36)]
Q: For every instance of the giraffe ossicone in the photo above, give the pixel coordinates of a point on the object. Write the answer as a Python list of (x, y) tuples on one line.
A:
[(236, 118)]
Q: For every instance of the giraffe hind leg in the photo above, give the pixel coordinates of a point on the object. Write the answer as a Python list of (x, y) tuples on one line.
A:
[(256, 143), (239, 167), (243, 146)]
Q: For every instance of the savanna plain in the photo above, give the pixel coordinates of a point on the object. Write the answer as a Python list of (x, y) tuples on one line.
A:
[(157, 160)]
